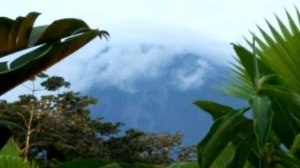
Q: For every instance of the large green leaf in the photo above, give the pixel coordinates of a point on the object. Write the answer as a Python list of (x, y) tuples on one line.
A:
[(242, 85), (215, 109), (15, 162), (286, 159), (10, 148), (278, 53), (59, 39), (184, 165), (225, 156), (9, 157), (25, 30), (221, 133), (5, 26), (285, 105), (242, 152), (33, 63), (112, 165), (63, 28), (295, 148), (262, 119), (94, 163)]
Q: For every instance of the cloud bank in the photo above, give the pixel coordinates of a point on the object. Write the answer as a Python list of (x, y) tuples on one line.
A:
[(138, 53), (147, 54)]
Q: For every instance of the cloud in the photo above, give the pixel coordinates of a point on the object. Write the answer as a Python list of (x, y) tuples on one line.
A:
[(192, 76), (170, 27), (144, 52)]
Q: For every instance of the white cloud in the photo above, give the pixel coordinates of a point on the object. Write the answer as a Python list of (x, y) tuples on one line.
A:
[(171, 26), (192, 77), (224, 20), (131, 58), (139, 52)]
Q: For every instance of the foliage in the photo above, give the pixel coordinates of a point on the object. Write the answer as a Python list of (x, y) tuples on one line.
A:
[(9, 157), (187, 153), (58, 127), (61, 127), (10, 148), (101, 164), (268, 77), (184, 165), (137, 146), (49, 44), (52, 43)]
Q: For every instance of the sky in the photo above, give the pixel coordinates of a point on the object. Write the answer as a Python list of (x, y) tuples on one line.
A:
[(176, 26), (147, 36)]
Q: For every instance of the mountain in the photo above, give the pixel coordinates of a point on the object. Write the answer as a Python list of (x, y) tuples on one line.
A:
[(164, 103)]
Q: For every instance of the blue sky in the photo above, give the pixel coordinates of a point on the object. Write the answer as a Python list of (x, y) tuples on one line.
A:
[(147, 37)]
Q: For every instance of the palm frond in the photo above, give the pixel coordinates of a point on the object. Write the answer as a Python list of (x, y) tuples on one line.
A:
[(278, 52)]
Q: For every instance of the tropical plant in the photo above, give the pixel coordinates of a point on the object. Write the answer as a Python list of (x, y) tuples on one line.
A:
[(267, 75), (49, 44), (9, 157), (56, 127), (184, 165), (101, 164), (59, 127)]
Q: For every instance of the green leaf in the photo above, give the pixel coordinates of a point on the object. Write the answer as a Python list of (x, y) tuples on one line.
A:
[(273, 80), (3, 66), (68, 35), (285, 106), (15, 162), (215, 109), (94, 163), (10, 148), (25, 30), (5, 25), (112, 165), (295, 148), (63, 28), (246, 59), (262, 119), (22, 72), (286, 159), (221, 133), (184, 165), (26, 58), (242, 152), (13, 35), (224, 157), (242, 84)]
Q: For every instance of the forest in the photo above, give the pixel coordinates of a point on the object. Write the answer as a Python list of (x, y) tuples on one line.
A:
[(57, 130)]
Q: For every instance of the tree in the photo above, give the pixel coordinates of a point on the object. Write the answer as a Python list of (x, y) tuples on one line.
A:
[(142, 147), (52, 43), (268, 77), (187, 154), (57, 127)]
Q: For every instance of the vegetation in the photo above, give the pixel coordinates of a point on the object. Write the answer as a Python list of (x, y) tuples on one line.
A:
[(268, 77), (9, 157), (58, 127), (49, 44)]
